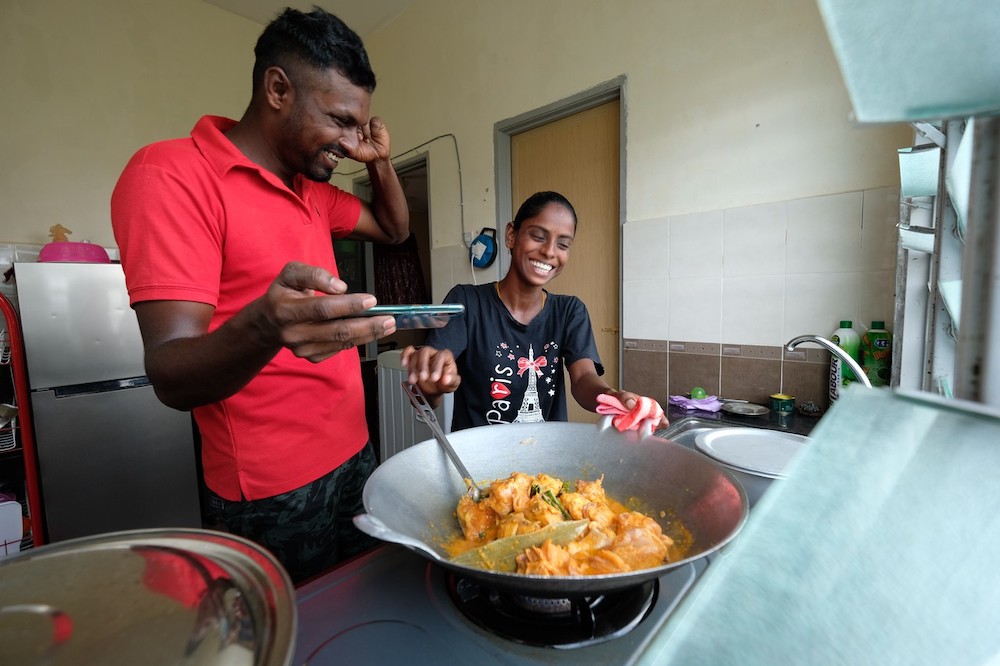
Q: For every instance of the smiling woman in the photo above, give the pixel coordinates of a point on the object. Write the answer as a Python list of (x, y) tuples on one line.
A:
[(505, 359)]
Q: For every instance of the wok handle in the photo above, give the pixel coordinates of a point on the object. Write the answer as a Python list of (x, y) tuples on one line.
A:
[(374, 527), (426, 412)]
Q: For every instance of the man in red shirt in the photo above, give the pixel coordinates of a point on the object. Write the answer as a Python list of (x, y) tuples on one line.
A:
[(225, 240)]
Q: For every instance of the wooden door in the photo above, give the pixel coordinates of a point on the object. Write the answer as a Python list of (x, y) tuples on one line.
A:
[(578, 156)]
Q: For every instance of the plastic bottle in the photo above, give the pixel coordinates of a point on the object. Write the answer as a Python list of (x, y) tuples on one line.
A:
[(876, 354), (849, 340)]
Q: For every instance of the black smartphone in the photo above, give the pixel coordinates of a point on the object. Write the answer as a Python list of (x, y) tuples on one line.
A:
[(417, 316)]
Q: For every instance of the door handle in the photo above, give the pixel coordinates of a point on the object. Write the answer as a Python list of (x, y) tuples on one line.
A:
[(608, 329)]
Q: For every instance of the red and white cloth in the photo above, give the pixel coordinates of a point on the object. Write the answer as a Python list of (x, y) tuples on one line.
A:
[(646, 410)]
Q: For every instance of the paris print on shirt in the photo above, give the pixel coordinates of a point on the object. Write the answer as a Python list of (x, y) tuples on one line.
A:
[(515, 368)]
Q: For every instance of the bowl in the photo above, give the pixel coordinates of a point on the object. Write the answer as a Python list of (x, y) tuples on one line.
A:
[(71, 251)]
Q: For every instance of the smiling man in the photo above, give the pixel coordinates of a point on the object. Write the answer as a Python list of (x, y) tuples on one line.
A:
[(225, 240)]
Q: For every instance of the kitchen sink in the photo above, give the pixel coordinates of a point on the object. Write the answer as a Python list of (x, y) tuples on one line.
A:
[(686, 429)]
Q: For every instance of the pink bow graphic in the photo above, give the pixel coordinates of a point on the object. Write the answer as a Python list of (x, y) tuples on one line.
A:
[(536, 365)]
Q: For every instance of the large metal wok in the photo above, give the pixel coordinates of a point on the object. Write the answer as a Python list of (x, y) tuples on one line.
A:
[(411, 498)]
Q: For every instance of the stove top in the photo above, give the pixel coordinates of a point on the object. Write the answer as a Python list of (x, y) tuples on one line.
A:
[(392, 605)]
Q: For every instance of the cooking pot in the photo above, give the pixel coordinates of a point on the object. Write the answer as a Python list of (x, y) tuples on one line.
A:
[(165, 596), (411, 498)]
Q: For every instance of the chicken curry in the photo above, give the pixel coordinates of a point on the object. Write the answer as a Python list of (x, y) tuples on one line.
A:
[(615, 539)]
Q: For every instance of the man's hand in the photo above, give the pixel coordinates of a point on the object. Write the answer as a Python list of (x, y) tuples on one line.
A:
[(312, 325), (373, 144)]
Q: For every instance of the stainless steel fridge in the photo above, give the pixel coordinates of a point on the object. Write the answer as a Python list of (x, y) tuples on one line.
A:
[(111, 456)]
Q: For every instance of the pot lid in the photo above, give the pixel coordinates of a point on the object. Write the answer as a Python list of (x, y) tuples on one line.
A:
[(147, 597), (753, 450)]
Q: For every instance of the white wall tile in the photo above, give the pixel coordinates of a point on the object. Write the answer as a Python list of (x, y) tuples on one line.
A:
[(753, 240), (695, 309), (879, 229), (647, 303), (877, 299), (824, 234), (695, 247), (815, 304), (753, 309), (645, 244), (763, 274)]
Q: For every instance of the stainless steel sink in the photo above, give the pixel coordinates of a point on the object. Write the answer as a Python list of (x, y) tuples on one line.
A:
[(686, 429)]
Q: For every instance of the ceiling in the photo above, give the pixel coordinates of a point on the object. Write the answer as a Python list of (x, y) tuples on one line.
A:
[(365, 17)]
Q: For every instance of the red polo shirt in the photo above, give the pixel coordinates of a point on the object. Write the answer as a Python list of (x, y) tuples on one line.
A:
[(195, 220)]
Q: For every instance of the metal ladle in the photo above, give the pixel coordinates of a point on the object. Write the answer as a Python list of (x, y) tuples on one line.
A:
[(426, 412)]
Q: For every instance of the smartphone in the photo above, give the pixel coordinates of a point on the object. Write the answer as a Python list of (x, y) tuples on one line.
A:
[(417, 316)]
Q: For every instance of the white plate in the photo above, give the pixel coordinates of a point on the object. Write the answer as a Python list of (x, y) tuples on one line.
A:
[(754, 450), (745, 408)]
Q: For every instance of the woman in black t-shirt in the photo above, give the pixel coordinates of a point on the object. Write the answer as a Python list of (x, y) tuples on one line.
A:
[(504, 359)]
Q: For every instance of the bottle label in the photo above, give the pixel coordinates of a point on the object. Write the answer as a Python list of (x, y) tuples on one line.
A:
[(835, 378)]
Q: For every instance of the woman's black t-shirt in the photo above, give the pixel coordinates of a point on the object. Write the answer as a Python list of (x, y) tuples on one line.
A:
[(512, 373)]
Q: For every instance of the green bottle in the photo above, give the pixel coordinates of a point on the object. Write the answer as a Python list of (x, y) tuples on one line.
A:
[(876, 354), (841, 375)]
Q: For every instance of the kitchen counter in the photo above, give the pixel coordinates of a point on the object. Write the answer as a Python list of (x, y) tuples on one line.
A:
[(794, 422)]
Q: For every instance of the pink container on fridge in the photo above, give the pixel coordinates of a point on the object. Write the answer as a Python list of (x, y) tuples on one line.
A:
[(71, 251)]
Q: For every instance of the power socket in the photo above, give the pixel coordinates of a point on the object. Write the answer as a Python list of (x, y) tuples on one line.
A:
[(467, 237), (478, 250)]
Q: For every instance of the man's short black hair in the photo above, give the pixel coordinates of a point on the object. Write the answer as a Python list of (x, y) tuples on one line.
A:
[(317, 38)]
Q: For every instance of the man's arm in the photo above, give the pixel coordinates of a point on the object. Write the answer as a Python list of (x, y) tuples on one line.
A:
[(388, 218), (189, 367)]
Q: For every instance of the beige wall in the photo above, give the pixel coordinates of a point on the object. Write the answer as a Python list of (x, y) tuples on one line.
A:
[(728, 103), (87, 83)]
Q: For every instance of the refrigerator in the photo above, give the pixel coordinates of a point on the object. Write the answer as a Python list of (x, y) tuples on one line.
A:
[(110, 455)]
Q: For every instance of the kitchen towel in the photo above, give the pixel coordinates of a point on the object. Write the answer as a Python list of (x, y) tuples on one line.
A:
[(645, 409), (707, 404)]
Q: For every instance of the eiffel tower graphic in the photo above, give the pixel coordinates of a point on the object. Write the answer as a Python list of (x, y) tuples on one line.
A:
[(530, 411)]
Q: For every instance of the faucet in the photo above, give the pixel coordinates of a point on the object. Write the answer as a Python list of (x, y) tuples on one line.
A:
[(834, 349)]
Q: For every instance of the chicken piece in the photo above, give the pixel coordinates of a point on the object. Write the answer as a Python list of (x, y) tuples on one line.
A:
[(640, 541), (515, 523), (576, 504), (478, 522), (581, 507), (595, 537), (596, 563), (546, 482), (509, 495), (592, 490), (542, 512), (545, 560)]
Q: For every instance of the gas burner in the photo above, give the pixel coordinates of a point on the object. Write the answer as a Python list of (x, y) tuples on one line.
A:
[(556, 623)]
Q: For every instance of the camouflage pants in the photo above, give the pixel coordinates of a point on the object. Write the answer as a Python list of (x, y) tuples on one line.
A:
[(308, 529)]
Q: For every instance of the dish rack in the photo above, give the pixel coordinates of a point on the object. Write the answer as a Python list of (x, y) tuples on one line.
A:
[(17, 442), (8, 422)]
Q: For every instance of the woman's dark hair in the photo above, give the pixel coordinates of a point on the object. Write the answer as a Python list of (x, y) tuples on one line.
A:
[(319, 39), (534, 205)]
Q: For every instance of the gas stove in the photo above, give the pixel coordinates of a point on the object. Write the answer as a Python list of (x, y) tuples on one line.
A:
[(393, 606)]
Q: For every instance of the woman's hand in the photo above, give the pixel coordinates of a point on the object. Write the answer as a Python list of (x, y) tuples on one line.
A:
[(434, 371), (629, 409)]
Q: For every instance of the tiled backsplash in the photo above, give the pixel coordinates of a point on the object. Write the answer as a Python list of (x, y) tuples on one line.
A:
[(745, 372), (735, 285), (762, 274)]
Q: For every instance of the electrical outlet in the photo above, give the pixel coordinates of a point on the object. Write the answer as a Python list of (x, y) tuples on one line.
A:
[(467, 237)]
